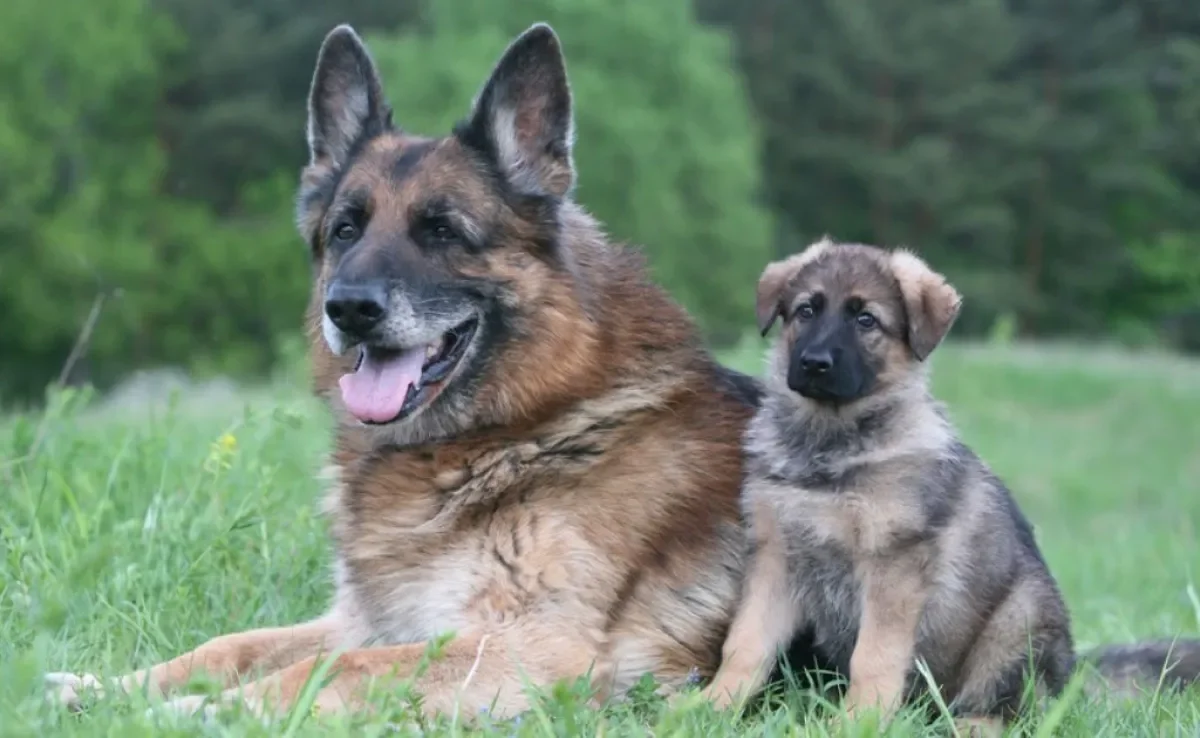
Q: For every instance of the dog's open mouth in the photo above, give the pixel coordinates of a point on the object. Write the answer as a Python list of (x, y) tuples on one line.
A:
[(389, 384)]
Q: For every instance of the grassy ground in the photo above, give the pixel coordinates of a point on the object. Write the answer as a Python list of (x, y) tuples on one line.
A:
[(134, 532)]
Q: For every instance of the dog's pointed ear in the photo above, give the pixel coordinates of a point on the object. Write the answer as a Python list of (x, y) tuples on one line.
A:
[(345, 101), (768, 305), (522, 118), (930, 302)]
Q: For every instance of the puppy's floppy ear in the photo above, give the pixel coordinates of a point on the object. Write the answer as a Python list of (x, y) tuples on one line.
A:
[(522, 118), (931, 303), (345, 101), (768, 305)]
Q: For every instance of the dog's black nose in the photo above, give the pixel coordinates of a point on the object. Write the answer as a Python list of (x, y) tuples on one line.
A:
[(816, 362), (357, 307)]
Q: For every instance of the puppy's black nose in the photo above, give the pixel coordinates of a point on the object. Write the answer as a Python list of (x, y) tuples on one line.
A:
[(356, 307), (816, 362)]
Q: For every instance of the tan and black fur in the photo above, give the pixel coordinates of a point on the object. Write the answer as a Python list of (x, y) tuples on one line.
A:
[(879, 536), (565, 499)]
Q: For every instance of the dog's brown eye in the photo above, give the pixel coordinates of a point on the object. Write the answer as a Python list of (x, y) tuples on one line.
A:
[(805, 311), (439, 231), (866, 320), (346, 232)]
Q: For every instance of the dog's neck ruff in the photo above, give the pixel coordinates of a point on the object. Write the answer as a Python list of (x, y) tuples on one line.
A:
[(796, 441)]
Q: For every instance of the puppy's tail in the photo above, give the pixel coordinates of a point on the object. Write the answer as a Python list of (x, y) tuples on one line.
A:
[(1137, 668)]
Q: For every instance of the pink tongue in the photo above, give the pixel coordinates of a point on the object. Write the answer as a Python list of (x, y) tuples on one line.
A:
[(376, 391)]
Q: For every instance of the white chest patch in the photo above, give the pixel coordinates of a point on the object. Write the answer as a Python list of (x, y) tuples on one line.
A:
[(409, 605)]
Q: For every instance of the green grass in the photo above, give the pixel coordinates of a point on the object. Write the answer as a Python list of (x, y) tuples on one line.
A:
[(131, 534)]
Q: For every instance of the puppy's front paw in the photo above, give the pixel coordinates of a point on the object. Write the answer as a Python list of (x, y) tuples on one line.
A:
[(68, 689)]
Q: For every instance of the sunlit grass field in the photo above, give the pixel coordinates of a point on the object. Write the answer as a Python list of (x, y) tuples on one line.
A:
[(134, 530)]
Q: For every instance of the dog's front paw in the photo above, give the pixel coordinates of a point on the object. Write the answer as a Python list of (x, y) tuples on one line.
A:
[(68, 689), (202, 706), (189, 706)]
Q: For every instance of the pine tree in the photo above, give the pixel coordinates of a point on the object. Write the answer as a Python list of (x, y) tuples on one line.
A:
[(891, 124), (233, 107), (79, 170), (1100, 182)]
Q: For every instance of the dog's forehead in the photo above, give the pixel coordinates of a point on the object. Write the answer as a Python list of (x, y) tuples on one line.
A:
[(845, 271), (398, 170)]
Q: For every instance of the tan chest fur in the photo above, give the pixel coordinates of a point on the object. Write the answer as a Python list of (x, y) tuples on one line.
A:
[(413, 569), (866, 518), (544, 537)]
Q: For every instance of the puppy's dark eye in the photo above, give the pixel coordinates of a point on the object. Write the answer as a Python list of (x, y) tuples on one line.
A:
[(866, 320), (346, 232), (805, 311)]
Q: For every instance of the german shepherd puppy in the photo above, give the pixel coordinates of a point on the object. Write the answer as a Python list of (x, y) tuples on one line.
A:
[(533, 448), (875, 529)]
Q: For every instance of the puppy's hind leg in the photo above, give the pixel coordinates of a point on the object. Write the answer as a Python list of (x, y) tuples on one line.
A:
[(1024, 640)]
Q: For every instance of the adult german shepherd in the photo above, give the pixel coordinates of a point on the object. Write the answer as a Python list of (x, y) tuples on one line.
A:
[(533, 447), (875, 527)]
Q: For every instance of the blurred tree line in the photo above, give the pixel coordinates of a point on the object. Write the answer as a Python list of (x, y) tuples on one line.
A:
[(1045, 155)]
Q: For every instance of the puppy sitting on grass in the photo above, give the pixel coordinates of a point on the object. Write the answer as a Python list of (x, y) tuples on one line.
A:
[(875, 529)]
